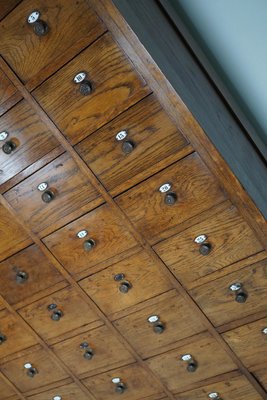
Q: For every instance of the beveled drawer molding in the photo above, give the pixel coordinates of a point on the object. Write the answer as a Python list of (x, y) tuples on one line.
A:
[(9, 95)]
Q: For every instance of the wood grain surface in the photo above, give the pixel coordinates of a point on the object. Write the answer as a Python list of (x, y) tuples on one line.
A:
[(9, 95)]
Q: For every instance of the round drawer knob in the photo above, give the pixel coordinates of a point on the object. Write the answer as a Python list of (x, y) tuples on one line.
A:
[(192, 366), (48, 196), (170, 198), (88, 355), (85, 88), (120, 388), (40, 28), (3, 338), (159, 328), (89, 244), (31, 372), (205, 249), (8, 147), (56, 315), (125, 287), (128, 146), (21, 276), (241, 297)]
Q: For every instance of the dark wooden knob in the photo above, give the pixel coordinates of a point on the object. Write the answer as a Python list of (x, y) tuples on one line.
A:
[(48, 196), (120, 387), (89, 244), (85, 88), (205, 249), (56, 315), (31, 372), (170, 198), (3, 338), (192, 366), (88, 354), (159, 328), (241, 297), (8, 147), (125, 287), (40, 28), (128, 146), (21, 276)]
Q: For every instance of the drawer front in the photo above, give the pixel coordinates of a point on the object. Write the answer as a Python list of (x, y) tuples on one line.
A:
[(193, 190), (25, 274), (225, 238), (66, 392), (27, 141), (12, 237), (5, 390), (13, 337), (207, 355), (105, 237), (249, 342), (58, 313), (8, 92), (47, 371), (115, 87), (221, 305), (233, 389), (72, 194), (93, 352), (123, 151), (143, 279), (34, 56), (155, 326), (137, 383)]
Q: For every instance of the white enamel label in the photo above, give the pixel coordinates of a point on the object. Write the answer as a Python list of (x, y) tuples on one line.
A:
[(264, 331), (186, 357), (153, 318), (82, 234), (200, 239), (27, 365), (116, 380), (3, 135), (213, 395), (33, 17), (165, 188), (121, 135), (235, 286), (57, 398), (79, 77), (42, 186)]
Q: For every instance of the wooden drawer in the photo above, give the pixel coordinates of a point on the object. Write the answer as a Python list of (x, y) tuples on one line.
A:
[(145, 278), (176, 321), (151, 138), (66, 392), (139, 384), (13, 337), (192, 183), (35, 57), (12, 237), (73, 195), (9, 95), (26, 274), (211, 361), (229, 239), (30, 136), (105, 349), (233, 389), (115, 87), (103, 227), (48, 371), (75, 313), (249, 342), (5, 390), (218, 301)]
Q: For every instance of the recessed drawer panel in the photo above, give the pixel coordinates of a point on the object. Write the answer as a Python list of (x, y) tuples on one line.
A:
[(33, 370), (24, 139), (89, 240), (127, 282), (5, 390), (25, 274), (208, 246), (156, 326), (235, 295), (122, 153), (132, 381), (9, 95), (170, 197), (233, 389), (93, 352), (58, 313), (12, 237), (41, 35), (66, 392), (107, 84), (201, 359), (54, 195)]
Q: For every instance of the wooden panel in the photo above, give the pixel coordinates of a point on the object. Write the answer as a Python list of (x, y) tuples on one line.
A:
[(29, 134), (153, 135), (103, 226), (16, 337), (229, 236), (76, 313), (145, 278), (218, 301), (116, 86), (40, 275), (108, 352), (48, 371), (38, 57), (73, 193), (8, 93), (261, 375), (12, 237), (196, 191), (139, 384), (5, 390), (178, 320), (7, 6), (233, 389), (66, 392)]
